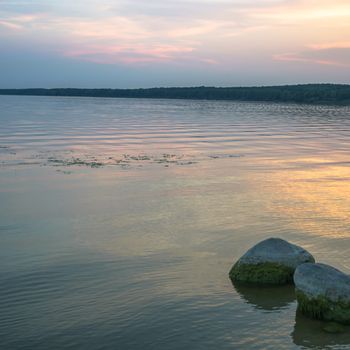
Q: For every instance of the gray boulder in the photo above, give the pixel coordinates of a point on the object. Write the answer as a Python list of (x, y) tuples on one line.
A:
[(272, 261), (323, 292)]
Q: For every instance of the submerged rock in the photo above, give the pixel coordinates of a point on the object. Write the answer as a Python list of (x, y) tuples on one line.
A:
[(323, 292), (315, 334), (272, 261), (333, 328)]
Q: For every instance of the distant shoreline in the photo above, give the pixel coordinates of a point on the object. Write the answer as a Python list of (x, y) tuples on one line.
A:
[(327, 94)]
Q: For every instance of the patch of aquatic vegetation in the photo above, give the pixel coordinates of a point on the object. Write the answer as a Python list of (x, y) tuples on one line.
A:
[(124, 161), (74, 161), (220, 156), (65, 172), (7, 150), (70, 158)]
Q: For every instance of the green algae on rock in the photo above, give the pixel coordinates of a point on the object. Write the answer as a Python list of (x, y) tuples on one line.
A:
[(272, 261), (323, 292), (322, 308), (263, 273)]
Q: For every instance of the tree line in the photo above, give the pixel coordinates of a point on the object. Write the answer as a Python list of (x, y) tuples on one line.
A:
[(307, 93)]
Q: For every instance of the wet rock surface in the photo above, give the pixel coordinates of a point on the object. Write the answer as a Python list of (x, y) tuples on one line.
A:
[(272, 261)]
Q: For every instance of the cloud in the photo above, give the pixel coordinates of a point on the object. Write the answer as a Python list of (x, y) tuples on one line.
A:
[(10, 25), (303, 10), (334, 54), (113, 40), (335, 45), (129, 54), (238, 36)]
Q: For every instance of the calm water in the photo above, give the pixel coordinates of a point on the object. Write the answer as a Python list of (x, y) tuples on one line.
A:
[(120, 219)]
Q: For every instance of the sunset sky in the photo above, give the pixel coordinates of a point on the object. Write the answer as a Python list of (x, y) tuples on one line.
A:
[(144, 43)]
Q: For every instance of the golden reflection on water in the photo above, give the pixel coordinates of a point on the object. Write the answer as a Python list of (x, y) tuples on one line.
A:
[(313, 194), (316, 194), (181, 209)]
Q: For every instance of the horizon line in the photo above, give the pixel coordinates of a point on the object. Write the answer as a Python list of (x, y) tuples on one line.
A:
[(179, 87)]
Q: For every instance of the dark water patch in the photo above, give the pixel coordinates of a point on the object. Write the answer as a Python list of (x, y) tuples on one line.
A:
[(266, 298), (311, 334), (9, 229)]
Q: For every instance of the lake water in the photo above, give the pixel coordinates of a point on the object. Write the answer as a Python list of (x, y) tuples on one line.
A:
[(120, 219)]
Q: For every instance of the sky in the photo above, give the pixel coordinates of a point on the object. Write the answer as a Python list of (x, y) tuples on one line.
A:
[(148, 43)]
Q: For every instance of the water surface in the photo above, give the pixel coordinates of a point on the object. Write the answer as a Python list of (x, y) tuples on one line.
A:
[(120, 219)]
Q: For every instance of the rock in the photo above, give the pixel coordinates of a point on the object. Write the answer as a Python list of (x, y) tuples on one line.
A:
[(272, 261), (323, 292)]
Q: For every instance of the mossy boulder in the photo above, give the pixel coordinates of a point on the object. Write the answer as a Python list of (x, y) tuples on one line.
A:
[(323, 292), (272, 262)]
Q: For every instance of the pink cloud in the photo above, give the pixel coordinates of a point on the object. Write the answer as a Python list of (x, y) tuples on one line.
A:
[(299, 58), (112, 40), (331, 55), (128, 53), (247, 30), (10, 25), (334, 45)]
